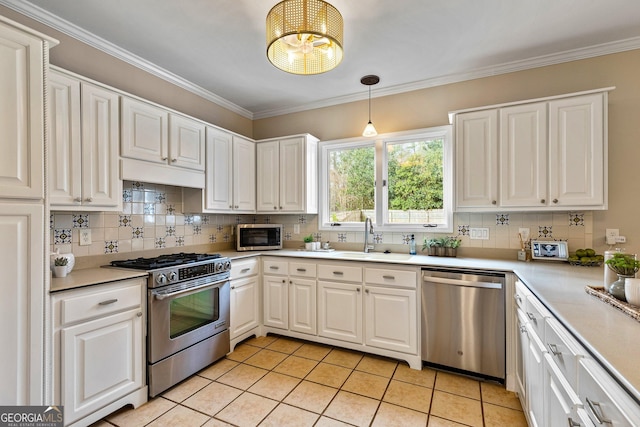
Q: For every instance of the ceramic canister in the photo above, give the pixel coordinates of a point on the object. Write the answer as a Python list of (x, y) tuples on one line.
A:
[(71, 260)]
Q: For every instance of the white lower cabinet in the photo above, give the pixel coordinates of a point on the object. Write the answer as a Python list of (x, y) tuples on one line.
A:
[(245, 300), (302, 305), (99, 349), (340, 311)]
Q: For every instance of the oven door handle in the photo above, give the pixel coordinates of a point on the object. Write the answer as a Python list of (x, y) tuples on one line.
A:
[(161, 296)]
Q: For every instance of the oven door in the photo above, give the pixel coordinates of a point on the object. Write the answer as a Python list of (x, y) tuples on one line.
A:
[(181, 318)]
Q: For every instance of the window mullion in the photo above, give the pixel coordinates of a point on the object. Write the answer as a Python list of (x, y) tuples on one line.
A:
[(380, 198)]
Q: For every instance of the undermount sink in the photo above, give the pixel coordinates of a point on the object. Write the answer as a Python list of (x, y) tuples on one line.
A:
[(378, 256)]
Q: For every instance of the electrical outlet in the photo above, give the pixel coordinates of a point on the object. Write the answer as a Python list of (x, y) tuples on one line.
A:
[(611, 236), (296, 228), (479, 233), (85, 237)]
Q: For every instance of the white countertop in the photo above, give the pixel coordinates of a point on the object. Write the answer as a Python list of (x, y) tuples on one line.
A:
[(612, 337)]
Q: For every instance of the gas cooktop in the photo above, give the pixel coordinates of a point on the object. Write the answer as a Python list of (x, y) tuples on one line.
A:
[(162, 261)]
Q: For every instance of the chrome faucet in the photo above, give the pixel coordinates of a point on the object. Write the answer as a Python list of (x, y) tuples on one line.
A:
[(368, 229)]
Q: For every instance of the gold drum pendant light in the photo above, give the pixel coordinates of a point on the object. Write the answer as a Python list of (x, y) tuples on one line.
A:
[(369, 80), (304, 36)]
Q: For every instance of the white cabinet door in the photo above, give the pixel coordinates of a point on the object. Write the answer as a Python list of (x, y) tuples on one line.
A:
[(145, 131), (65, 155), (245, 309), (523, 155), (477, 159), (276, 297), (340, 311), (268, 176), (102, 361), (302, 306), (560, 400), (101, 184), (244, 175), (186, 142), (576, 151), (292, 175), (22, 114), (522, 343), (391, 319), (534, 360), (219, 161)]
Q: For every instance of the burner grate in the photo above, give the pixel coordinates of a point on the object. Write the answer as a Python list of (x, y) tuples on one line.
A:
[(162, 261)]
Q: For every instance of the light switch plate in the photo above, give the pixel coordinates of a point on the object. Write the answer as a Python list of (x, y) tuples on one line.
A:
[(296, 228), (479, 233), (85, 237)]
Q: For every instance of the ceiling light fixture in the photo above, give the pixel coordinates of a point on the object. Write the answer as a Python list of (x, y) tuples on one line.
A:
[(370, 80), (304, 36)]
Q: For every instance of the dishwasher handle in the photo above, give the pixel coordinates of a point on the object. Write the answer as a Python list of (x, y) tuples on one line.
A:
[(458, 282)]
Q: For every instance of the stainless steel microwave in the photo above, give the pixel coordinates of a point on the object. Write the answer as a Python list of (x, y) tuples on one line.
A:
[(259, 237)]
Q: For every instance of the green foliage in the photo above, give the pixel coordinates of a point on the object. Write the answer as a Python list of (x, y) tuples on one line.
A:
[(623, 264), (352, 179), (308, 239), (60, 261)]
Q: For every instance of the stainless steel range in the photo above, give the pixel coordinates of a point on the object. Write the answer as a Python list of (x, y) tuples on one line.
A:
[(187, 314)]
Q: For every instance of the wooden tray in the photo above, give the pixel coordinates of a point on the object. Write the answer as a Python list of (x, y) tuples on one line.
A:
[(629, 309)]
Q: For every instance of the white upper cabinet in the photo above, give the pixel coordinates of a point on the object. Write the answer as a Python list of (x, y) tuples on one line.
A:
[(186, 142), (549, 154), (230, 176), (84, 136), (145, 131), (287, 175)]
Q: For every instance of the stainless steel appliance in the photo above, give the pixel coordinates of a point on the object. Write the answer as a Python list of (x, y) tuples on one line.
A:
[(187, 314), (258, 237), (463, 321)]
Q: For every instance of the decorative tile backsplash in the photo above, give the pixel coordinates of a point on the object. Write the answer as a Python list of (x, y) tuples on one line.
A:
[(152, 218)]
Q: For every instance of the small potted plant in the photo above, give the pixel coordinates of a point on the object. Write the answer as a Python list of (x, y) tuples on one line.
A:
[(451, 246), (430, 245), (624, 265), (60, 267), (308, 242)]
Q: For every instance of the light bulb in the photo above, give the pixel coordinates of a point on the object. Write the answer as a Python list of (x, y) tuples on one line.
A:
[(369, 130)]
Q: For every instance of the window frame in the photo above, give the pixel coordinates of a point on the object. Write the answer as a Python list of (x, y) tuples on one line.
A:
[(380, 143)]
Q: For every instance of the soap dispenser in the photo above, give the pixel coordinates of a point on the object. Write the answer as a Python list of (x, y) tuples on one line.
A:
[(412, 245)]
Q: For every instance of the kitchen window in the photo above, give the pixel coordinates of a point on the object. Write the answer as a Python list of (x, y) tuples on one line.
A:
[(402, 181)]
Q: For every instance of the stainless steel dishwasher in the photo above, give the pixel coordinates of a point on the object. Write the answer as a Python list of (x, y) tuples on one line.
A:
[(463, 321)]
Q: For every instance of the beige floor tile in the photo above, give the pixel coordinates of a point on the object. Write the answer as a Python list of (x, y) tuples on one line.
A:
[(313, 351), (498, 395), (311, 396), (395, 416), (242, 352), (218, 369), (331, 375), (426, 377), (101, 423), (352, 408), (409, 396), (216, 423), (266, 359), (346, 358), (441, 422), (247, 410), (242, 376), (261, 342), (144, 414), (180, 416), (498, 416), (186, 388), (330, 422), (285, 415), (456, 408), (213, 398), (377, 365), (274, 386), (458, 384), (366, 384), (295, 366), (285, 345)]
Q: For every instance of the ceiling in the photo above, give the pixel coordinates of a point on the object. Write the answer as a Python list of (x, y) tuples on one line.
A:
[(217, 47)]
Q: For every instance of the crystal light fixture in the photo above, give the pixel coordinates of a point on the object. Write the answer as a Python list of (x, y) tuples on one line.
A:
[(304, 36), (370, 80)]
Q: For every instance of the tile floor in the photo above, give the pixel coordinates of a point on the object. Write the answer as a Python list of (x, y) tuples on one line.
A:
[(278, 381)]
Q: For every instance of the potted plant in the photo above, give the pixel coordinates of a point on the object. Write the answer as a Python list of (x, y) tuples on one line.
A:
[(308, 242), (430, 245), (451, 245), (624, 265), (60, 267)]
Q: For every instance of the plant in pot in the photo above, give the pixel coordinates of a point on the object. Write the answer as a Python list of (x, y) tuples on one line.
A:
[(60, 267), (308, 242), (624, 265), (451, 246), (430, 245)]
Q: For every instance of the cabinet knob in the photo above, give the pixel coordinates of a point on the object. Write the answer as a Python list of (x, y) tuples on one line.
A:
[(165, 158), (174, 160), (494, 202), (230, 207), (280, 207), (366, 291), (77, 199), (139, 314), (284, 281), (236, 206), (275, 207), (88, 199), (358, 289), (233, 287), (543, 201), (555, 200)]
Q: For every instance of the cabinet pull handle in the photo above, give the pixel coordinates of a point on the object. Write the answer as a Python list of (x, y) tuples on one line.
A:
[(244, 270), (302, 270), (555, 200), (165, 158), (531, 317), (174, 160), (236, 206), (494, 202), (389, 277), (109, 301), (573, 423), (517, 298), (338, 273), (523, 329), (139, 314), (597, 413), (543, 201), (274, 267), (554, 349)]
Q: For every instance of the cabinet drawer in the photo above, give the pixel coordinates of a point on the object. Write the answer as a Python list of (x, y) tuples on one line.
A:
[(302, 269), (564, 350), (275, 266), (396, 278), (341, 272), (536, 314), (100, 303), (520, 295), (244, 268)]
